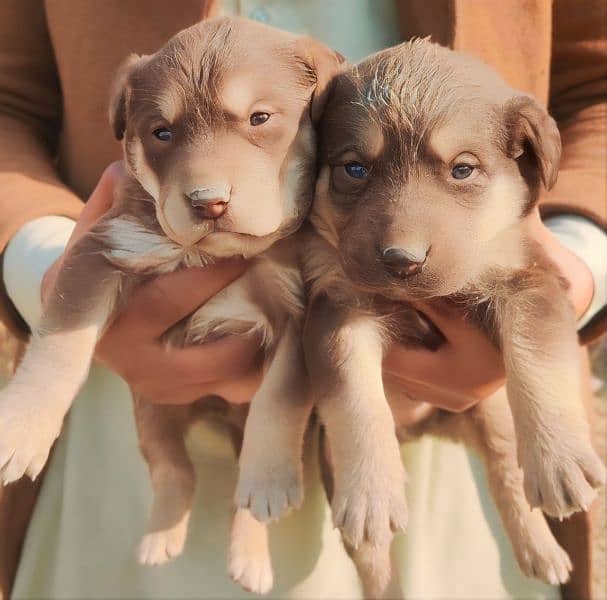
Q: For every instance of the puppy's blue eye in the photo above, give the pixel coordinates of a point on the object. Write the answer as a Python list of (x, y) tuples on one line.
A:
[(356, 170), (163, 134), (461, 171)]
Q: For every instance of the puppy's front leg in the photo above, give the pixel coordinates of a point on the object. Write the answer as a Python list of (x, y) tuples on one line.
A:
[(270, 479), (344, 351), (56, 362), (539, 344)]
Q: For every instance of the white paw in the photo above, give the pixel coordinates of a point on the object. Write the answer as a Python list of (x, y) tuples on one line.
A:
[(27, 433), (369, 502), (251, 569), (539, 554), (269, 490), (561, 480), (160, 547)]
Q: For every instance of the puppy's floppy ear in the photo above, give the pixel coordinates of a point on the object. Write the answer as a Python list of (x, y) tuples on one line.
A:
[(323, 64), (529, 124), (118, 94)]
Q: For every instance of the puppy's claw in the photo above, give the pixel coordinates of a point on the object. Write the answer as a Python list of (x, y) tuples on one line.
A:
[(159, 547), (558, 483), (269, 493), (370, 504), (538, 553), (253, 573), (27, 433)]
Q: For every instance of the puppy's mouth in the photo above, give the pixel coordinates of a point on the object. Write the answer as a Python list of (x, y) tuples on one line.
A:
[(370, 276), (185, 232)]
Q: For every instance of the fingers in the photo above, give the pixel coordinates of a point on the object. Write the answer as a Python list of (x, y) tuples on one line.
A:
[(234, 391), (153, 366), (97, 205), (230, 368), (227, 358), (157, 305), (467, 369)]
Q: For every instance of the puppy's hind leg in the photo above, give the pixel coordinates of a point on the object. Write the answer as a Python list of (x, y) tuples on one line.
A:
[(374, 567), (372, 562), (249, 561), (162, 432), (489, 428)]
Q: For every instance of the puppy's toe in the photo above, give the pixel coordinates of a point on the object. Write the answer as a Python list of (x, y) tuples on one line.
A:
[(593, 469), (562, 481), (269, 494), (159, 547), (551, 565), (538, 553), (252, 571), (354, 523)]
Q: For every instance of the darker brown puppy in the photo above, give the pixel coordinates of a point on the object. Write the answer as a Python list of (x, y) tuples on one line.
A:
[(430, 166), (218, 136)]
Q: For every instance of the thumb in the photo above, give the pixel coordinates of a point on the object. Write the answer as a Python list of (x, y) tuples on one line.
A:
[(99, 202)]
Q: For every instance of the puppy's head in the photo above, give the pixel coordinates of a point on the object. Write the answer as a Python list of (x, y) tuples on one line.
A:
[(428, 161), (217, 127)]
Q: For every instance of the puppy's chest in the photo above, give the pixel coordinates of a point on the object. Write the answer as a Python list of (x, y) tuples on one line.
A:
[(258, 303)]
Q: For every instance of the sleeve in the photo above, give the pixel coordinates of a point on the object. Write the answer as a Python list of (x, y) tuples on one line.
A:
[(29, 254), (589, 242), (30, 120)]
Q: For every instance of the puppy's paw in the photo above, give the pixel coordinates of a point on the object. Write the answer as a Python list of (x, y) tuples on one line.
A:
[(369, 502), (251, 568), (159, 547), (562, 480), (539, 554), (270, 487), (249, 562), (27, 433)]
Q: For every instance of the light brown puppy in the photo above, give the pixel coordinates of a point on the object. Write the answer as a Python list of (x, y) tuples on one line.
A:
[(218, 136), (430, 168)]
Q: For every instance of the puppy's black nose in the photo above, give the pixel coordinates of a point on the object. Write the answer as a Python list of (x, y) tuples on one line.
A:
[(210, 202), (401, 263)]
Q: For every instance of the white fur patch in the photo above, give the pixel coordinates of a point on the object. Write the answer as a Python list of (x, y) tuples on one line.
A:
[(135, 248), (235, 308), (220, 315)]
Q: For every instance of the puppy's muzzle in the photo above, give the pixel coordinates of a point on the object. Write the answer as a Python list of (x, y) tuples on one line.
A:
[(210, 202), (401, 263)]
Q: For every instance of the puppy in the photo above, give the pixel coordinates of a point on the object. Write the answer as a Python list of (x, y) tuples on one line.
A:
[(218, 138), (429, 167)]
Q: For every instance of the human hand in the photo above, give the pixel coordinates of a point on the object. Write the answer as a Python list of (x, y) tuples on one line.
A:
[(468, 368), (132, 346)]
